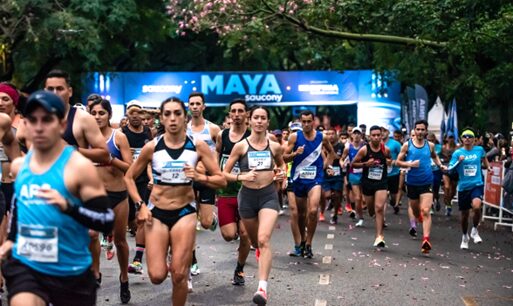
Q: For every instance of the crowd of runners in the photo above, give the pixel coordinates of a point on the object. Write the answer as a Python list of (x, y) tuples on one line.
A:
[(73, 182)]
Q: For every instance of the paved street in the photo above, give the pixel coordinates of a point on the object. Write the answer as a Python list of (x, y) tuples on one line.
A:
[(351, 271)]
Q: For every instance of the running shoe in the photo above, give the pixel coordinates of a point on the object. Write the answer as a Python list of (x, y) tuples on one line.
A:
[(348, 207), (104, 243), (281, 212), (260, 297), (448, 210), (124, 292), (195, 269), (379, 243), (135, 268), (334, 220), (198, 225), (189, 283), (359, 223), (321, 217), (413, 232), (339, 211), (308, 252), (110, 251), (215, 222), (475, 235), (352, 214), (99, 281), (426, 246), (464, 242), (396, 209), (238, 278), (297, 252), (431, 211)]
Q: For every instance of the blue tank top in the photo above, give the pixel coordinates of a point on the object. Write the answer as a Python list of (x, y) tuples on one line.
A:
[(352, 154), (423, 175), (112, 147), (307, 167), (48, 240)]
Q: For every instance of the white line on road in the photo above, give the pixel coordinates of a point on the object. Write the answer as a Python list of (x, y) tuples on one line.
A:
[(330, 236), (324, 279), (328, 247), (321, 303), (331, 228), (326, 260)]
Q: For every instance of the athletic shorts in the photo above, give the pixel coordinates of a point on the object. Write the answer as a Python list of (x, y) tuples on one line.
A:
[(414, 192), (437, 180), (465, 197), (79, 290), (171, 217), (354, 179), (8, 191), (253, 200), (393, 184), (142, 188), (3, 205), (227, 210), (204, 194), (369, 189), (333, 184), (116, 197), (301, 189)]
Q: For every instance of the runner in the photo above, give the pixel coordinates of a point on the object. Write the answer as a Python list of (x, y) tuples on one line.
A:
[(138, 135), (227, 205), (83, 133), (305, 150), (169, 218), (59, 195), (112, 176), (257, 157), (437, 174), (333, 184), (393, 171), (374, 158), (467, 161), (355, 175), (418, 152), (450, 181)]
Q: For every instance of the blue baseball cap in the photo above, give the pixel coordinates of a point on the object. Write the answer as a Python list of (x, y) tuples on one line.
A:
[(51, 102)]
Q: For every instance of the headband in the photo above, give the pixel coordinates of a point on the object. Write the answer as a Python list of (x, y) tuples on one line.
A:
[(11, 92), (467, 132)]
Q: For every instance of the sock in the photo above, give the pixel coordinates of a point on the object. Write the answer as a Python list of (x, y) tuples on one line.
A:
[(194, 260), (262, 285), (425, 238), (139, 251), (413, 223), (240, 267)]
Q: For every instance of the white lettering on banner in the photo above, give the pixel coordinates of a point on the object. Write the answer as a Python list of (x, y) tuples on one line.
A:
[(263, 98), (319, 89), (162, 88)]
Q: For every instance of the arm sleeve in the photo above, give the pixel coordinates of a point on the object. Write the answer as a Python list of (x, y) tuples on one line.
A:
[(95, 214), (13, 221)]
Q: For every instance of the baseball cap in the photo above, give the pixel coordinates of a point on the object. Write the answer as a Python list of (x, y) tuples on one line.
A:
[(277, 132), (357, 130), (133, 103), (51, 102), (295, 126)]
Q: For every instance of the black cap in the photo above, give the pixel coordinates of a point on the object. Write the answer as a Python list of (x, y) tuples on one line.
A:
[(51, 102)]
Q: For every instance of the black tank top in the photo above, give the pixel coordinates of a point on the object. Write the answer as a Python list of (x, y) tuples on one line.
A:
[(255, 159), (227, 144), (378, 172), (136, 141), (68, 133)]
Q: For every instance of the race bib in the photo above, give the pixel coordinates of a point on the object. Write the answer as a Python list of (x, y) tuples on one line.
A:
[(375, 173), (39, 244), (136, 153), (259, 160), (336, 171), (357, 170), (235, 169), (172, 173), (469, 170), (308, 173)]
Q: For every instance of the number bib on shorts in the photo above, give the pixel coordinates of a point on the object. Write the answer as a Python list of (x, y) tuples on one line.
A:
[(259, 160), (308, 173), (172, 173), (357, 170), (469, 170), (38, 243), (235, 169), (375, 173), (336, 171)]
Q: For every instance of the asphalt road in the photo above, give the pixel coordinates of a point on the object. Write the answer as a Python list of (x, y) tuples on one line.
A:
[(346, 269)]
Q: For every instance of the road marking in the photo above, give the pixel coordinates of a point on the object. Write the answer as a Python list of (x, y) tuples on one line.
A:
[(326, 260), (330, 236), (320, 302), (331, 228), (469, 301), (324, 279), (328, 247)]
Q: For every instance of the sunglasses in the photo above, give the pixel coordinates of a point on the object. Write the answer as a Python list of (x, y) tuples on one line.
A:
[(467, 136)]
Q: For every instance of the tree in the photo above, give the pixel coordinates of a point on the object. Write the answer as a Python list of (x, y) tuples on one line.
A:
[(455, 48)]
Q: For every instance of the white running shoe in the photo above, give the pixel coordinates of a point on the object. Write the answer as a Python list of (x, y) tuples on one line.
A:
[(359, 223), (464, 242), (195, 269), (475, 235), (189, 283)]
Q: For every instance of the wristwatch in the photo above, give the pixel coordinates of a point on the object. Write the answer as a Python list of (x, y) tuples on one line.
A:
[(138, 204)]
